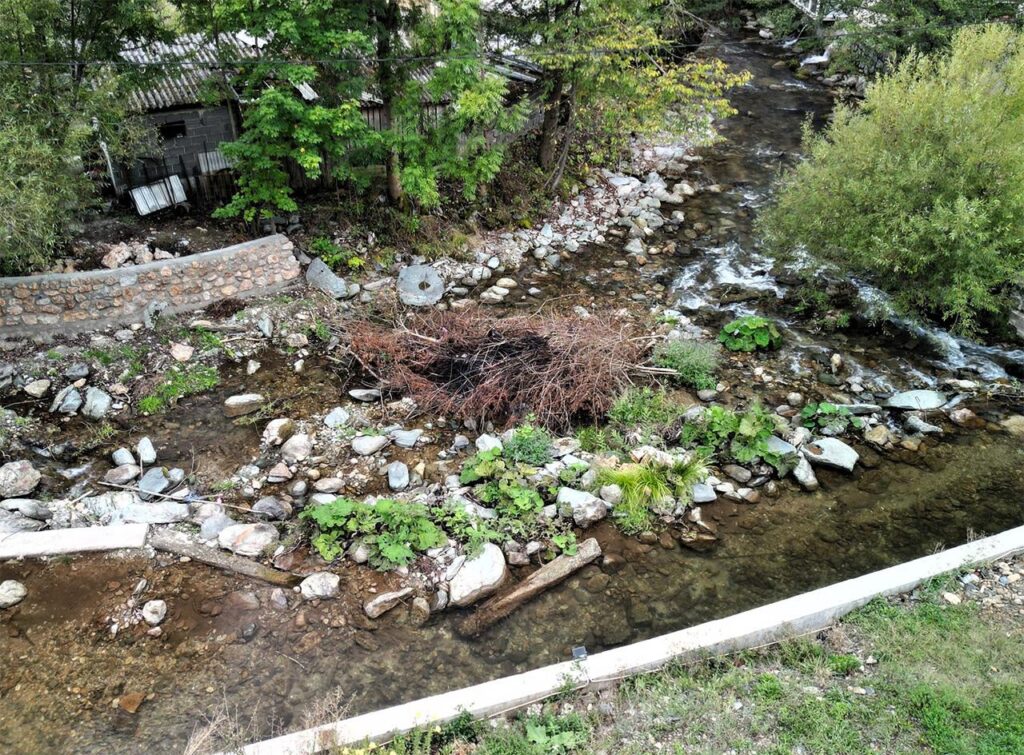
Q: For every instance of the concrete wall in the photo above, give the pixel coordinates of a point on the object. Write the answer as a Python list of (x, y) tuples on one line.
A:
[(205, 129), (90, 300)]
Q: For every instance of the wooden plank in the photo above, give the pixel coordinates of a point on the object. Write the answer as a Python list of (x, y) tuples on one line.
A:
[(73, 540), (180, 544)]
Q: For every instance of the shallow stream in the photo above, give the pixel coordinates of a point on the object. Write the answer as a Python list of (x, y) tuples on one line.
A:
[(225, 643)]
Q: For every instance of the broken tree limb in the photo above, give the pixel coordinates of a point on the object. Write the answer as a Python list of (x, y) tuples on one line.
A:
[(179, 544), (549, 575)]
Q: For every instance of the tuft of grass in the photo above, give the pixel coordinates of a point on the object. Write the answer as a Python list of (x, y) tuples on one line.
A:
[(644, 407), (695, 362), (646, 485), (178, 383)]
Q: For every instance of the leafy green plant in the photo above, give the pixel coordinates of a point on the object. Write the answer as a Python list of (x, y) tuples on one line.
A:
[(644, 407), (599, 439), (556, 735), (826, 416), (465, 528), (695, 362), (394, 531), (335, 257), (178, 383), (844, 665), (648, 484), (529, 444), (750, 333), (945, 242), (208, 339), (742, 437)]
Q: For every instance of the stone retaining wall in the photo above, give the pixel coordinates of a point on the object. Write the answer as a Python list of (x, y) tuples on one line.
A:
[(97, 298)]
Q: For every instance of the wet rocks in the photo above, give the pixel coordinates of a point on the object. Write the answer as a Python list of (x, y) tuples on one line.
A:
[(915, 424), (478, 577), (964, 417), (243, 403), (367, 445), (381, 604), (122, 474), (248, 539), (97, 403), (18, 479), (920, 399), (1014, 425), (272, 508), (419, 286), (320, 586), (831, 452), (154, 482), (12, 593), (68, 401), (154, 612)]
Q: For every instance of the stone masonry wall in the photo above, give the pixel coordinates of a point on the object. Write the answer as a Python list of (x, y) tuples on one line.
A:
[(97, 298)]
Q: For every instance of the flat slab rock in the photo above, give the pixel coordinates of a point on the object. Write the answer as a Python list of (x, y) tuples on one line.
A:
[(243, 403), (921, 399), (831, 452), (321, 585), (381, 604), (248, 539)]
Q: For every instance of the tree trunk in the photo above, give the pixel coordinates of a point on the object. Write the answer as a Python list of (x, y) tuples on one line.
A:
[(388, 82), (549, 129), (563, 155)]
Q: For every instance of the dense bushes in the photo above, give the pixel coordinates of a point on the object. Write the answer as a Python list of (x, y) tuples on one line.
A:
[(923, 187)]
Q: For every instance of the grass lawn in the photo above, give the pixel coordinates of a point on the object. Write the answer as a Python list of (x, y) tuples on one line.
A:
[(907, 675)]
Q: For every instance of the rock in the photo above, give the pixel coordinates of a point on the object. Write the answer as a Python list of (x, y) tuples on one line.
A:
[(920, 399), (336, 418), (703, 493), (214, 525), (831, 452), (12, 593), (252, 366), (322, 278), (297, 448), (122, 474), (146, 451), (181, 352), (1014, 425), (265, 325), (28, 507), (805, 475), (479, 576), (405, 438), (272, 508), (77, 371), (18, 479), (916, 425), (37, 388), (381, 604), (367, 445), (321, 585), (154, 612), (68, 401), (122, 456), (952, 598), (12, 521), (879, 435), (738, 473), (328, 485), (279, 473), (248, 539), (366, 395), (964, 417), (398, 475), (586, 507), (297, 340), (707, 394), (97, 403), (652, 455), (861, 410), (487, 442), (278, 431), (419, 286), (611, 494), (159, 512), (243, 403), (155, 481)]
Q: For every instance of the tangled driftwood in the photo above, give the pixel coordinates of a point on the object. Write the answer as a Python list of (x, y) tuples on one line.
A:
[(472, 364)]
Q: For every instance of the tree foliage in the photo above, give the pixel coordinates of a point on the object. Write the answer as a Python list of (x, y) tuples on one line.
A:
[(922, 188)]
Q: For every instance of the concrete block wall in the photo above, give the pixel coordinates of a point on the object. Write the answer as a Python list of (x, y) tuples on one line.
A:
[(205, 129), (91, 300)]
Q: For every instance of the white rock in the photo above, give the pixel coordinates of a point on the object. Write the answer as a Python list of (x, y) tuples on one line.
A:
[(804, 474), (154, 612), (398, 475), (248, 539), (479, 576), (297, 448), (181, 352), (385, 602), (243, 403), (486, 442), (831, 452), (278, 431), (320, 585), (367, 445), (146, 451), (921, 399), (337, 417), (12, 592)]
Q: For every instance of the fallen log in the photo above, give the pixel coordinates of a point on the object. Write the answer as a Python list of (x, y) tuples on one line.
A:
[(549, 575), (179, 544)]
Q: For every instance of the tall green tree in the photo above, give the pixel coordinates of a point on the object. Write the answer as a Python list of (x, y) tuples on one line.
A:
[(922, 188)]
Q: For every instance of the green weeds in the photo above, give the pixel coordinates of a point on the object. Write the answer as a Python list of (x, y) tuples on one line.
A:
[(178, 383), (695, 362), (750, 333)]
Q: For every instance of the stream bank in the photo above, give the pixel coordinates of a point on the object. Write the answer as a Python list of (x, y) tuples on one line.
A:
[(269, 654)]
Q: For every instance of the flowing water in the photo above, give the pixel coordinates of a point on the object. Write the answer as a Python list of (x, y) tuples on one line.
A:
[(270, 665)]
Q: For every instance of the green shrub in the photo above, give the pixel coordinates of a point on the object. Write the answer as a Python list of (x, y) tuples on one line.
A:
[(826, 416), (922, 188), (529, 444), (178, 383), (741, 437), (644, 407), (394, 531), (750, 333), (599, 439), (695, 363), (339, 259)]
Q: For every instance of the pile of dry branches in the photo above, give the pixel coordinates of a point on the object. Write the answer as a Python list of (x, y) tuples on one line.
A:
[(473, 365)]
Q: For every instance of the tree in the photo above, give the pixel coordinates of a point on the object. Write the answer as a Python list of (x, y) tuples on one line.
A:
[(59, 108), (922, 188), (613, 74)]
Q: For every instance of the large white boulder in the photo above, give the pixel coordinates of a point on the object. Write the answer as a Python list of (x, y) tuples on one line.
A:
[(479, 577)]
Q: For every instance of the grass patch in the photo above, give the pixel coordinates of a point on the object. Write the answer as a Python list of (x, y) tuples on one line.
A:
[(646, 486), (695, 362), (178, 383)]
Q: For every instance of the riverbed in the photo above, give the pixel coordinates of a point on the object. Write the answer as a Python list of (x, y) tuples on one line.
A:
[(229, 644)]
